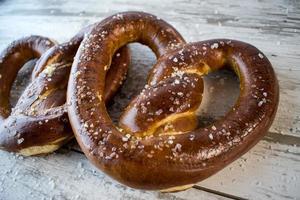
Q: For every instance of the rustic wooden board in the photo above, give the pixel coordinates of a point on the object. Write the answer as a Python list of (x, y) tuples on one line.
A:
[(68, 175), (271, 170)]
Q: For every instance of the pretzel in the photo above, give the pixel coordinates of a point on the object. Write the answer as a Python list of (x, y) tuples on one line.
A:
[(144, 151), (39, 123)]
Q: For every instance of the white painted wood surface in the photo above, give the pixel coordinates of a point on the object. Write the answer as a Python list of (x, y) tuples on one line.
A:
[(271, 170)]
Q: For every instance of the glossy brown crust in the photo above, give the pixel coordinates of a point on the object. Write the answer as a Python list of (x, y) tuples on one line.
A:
[(12, 59), (65, 52), (39, 118), (160, 162)]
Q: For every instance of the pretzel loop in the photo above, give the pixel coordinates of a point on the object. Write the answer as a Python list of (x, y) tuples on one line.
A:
[(12, 59)]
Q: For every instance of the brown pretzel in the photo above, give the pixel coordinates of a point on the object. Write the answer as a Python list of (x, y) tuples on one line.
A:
[(38, 124), (141, 153)]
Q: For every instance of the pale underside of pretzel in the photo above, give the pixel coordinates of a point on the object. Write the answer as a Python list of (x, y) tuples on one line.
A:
[(140, 152)]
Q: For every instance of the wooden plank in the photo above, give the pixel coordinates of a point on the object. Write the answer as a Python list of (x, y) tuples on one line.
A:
[(271, 169), (69, 175), (268, 171)]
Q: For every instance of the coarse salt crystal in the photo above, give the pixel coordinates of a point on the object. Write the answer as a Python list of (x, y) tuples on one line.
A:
[(260, 103), (192, 137), (20, 140), (180, 94), (176, 81), (214, 46), (159, 112), (265, 94)]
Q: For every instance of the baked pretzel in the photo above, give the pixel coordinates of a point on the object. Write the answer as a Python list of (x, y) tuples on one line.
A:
[(145, 151), (38, 124)]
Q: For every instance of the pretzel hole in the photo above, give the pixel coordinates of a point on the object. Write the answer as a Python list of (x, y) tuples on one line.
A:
[(135, 80), (21, 81), (221, 91)]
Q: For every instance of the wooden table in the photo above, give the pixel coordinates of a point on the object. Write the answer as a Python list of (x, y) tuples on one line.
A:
[(271, 170)]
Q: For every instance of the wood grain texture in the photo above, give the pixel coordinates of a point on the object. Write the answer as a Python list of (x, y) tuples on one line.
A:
[(271, 170), (69, 175)]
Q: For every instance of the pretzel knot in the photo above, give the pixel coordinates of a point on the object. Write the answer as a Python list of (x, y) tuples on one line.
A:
[(157, 144), (38, 124)]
